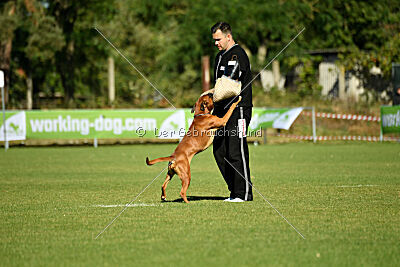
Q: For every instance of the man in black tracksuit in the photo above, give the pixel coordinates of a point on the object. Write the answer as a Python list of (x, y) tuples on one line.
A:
[(228, 143)]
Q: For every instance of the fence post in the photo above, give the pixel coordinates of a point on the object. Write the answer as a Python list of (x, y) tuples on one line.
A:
[(4, 110), (314, 126), (265, 136)]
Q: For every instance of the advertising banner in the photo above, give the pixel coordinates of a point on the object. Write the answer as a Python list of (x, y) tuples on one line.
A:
[(281, 118), (390, 119), (75, 124), (129, 124)]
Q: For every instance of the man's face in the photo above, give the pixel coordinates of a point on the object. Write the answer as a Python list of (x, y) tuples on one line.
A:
[(221, 40)]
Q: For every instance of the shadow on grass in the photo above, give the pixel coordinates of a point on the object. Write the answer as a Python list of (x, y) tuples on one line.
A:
[(197, 198)]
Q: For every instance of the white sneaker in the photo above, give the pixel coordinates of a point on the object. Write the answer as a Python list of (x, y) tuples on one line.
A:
[(228, 199), (234, 200)]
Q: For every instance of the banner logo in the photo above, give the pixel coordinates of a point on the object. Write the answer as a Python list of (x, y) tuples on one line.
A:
[(274, 118), (173, 127), (15, 127), (285, 120)]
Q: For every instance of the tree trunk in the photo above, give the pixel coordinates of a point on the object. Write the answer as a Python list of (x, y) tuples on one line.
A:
[(29, 91), (111, 81), (67, 80), (342, 83), (66, 68), (276, 72), (205, 63)]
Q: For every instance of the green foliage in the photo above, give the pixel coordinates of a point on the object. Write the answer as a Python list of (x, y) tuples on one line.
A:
[(9, 22), (55, 42), (307, 81), (45, 39), (365, 32)]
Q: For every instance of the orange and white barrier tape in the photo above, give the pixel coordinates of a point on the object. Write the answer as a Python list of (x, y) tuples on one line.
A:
[(343, 116), (339, 138)]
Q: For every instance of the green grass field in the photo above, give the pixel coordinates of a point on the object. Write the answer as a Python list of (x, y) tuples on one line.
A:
[(344, 198)]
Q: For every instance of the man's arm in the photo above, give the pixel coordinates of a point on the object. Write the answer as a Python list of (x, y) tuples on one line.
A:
[(214, 80), (244, 64)]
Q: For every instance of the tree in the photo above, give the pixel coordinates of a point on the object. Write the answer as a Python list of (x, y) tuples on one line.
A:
[(54, 42), (76, 20), (9, 18), (366, 34)]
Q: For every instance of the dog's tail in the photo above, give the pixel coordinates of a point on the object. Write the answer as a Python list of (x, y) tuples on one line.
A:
[(154, 161)]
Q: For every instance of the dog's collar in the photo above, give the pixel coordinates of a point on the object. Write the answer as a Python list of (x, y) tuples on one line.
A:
[(202, 114)]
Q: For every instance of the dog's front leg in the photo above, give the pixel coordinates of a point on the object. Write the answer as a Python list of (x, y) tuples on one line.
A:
[(221, 122)]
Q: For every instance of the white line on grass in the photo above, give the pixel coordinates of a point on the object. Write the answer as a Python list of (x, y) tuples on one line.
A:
[(280, 214), (360, 185), (127, 205)]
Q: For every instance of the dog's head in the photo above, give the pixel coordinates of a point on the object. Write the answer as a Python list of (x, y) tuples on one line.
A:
[(204, 104)]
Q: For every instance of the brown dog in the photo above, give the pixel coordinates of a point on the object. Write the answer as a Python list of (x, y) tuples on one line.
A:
[(199, 136)]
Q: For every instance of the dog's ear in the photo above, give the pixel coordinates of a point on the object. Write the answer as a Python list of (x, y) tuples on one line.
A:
[(211, 95), (209, 104), (194, 106), (203, 105)]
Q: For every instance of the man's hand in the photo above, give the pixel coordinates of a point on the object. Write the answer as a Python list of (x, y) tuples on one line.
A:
[(211, 91), (240, 99)]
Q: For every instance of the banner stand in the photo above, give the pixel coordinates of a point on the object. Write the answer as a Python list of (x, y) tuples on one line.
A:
[(265, 135), (313, 122), (390, 121), (314, 126), (4, 109)]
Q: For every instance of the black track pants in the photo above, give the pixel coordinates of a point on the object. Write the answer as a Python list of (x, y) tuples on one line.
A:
[(230, 146)]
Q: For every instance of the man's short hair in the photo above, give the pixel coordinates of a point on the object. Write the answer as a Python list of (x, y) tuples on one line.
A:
[(223, 26)]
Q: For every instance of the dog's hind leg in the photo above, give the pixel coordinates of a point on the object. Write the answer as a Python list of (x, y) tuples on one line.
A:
[(184, 174), (170, 174)]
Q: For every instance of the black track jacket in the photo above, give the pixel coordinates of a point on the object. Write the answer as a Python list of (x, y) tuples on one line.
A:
[(221, 62)]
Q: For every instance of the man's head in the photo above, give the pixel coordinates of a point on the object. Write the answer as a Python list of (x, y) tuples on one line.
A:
[(222, 35)]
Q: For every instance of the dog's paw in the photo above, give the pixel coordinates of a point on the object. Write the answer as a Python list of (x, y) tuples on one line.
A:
[(147, 161)]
